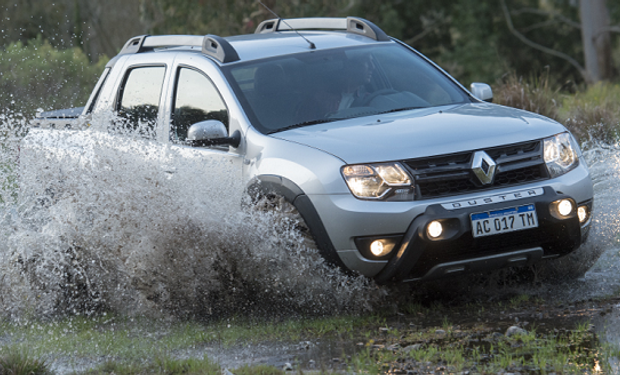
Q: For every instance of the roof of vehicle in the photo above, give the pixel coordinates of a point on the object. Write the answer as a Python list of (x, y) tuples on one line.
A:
[(272, 38), (258, 46)]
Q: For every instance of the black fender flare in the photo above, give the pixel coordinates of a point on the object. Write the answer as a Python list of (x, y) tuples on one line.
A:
[(273, 184)]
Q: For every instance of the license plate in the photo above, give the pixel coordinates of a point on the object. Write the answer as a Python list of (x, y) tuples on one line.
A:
[(503, 221)]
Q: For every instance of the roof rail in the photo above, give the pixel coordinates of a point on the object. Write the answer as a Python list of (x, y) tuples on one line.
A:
[(212, 45), (353, 25)]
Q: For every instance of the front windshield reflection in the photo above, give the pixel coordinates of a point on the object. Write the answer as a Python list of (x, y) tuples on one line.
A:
[(322, 86)]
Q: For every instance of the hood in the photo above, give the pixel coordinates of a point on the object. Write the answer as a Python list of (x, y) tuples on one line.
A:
[(424, 132)]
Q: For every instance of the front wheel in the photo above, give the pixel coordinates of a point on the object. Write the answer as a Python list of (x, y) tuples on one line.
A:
[(571, 266), (284, 210)]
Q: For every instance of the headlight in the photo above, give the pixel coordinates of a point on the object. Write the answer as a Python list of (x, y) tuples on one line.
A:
[(387, 181), (560, 155)]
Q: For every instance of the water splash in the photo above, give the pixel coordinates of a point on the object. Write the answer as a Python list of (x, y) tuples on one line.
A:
[(137, 227), (132, 226)]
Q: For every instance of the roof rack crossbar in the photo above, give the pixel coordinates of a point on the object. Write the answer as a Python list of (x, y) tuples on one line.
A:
[(219, 48), (133, 45), (212, 45), (353, 25)]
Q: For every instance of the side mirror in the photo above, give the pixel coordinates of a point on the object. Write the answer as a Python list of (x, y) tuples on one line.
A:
[(482, 91), (211, 133)]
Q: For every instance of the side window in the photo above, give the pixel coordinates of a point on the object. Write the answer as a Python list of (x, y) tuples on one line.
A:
[(92, 101), (196, 99), (139, 101)]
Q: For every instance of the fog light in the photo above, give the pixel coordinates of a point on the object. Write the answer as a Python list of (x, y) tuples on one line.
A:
[(582, 213), (381, 247), (434, 229), (377, 248), (565, 207)]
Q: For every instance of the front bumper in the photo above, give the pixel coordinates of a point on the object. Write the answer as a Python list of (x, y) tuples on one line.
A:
[(418, 257)]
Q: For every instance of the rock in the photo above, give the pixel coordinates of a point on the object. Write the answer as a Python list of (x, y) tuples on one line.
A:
[(287, 367), (305, 345), (311, 364), (514, 330), (440, 332), (412, 347), (591, 328)]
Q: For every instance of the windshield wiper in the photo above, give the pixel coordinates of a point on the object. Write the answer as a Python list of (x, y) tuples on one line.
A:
[(400, 109), (302, 124)]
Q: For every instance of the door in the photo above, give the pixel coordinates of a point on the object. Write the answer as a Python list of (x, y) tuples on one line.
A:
[(209, 178)]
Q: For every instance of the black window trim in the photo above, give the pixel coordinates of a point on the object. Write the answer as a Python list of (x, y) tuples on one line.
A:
[(173, 100), (121, 88), (92, 101)]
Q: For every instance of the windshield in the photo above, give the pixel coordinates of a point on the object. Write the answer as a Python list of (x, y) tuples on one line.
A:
[(323, 86)]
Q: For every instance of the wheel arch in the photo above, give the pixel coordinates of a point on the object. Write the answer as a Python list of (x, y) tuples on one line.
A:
[(272, 184)]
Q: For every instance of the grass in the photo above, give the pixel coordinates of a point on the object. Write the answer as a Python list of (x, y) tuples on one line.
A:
[(573, 351), (130, 340), (20, 362), (134, 338), (590, 113), (387, 343), (594, 112)]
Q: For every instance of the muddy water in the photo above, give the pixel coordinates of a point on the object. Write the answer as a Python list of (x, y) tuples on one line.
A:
[(134, 227)]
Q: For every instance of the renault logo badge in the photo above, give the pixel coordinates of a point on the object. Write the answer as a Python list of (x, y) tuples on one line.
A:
[(483, 167)]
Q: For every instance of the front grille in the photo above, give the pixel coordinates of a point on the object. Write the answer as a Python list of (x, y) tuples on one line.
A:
[(452, 174)]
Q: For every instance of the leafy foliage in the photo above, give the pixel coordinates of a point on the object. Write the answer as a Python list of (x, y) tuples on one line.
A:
[(225, 17), (471, 40), (38, 75)]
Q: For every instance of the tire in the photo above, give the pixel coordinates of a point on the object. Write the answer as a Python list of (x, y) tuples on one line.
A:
[(571, 266), (550, 271), (285, 210), (564, 269)]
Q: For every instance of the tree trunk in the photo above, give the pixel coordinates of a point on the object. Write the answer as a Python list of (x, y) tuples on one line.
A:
[(595, 35)]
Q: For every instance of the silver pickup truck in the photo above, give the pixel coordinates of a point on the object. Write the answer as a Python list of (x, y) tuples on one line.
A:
[(398, 171)]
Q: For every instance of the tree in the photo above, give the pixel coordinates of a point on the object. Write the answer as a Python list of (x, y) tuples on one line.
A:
[(595, 36), (231, 17), (595, 32)]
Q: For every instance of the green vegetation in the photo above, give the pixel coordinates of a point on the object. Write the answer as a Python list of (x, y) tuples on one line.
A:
[(37, 75), (18, 362), (470, 38), (383, 343), (116, 337), (483, 350), (165, 365), (589, 113)]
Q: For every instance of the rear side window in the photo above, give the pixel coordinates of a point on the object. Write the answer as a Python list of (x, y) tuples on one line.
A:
[(196, 99), (92, 101), (138, 104)]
